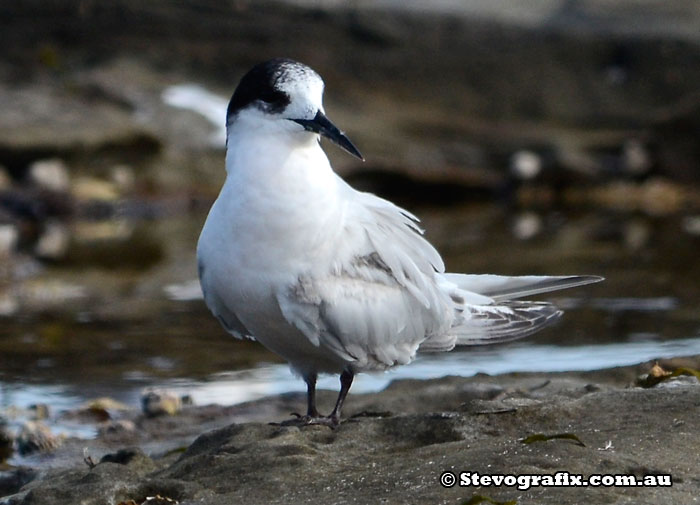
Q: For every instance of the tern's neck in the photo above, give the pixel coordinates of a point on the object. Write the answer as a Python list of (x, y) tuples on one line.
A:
[(292, 162)]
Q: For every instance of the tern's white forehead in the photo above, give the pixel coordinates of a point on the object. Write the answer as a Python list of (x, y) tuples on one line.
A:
[(304, 88)]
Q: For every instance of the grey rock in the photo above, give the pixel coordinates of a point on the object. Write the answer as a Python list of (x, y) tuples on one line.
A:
[(13, 479), (6, 441), (484, 80), (453, 423)]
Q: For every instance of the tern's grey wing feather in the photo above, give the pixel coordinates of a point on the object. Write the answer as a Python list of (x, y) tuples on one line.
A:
[(381, 298), (394, 235), (362, 314)]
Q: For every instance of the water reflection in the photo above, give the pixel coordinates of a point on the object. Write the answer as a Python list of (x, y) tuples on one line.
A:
[(520, 357), (114, 316), (232, 387)]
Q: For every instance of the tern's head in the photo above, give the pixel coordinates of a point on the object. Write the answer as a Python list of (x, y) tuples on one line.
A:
[(282, 96)]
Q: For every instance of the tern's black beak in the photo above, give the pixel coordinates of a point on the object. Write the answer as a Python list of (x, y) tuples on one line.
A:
[(321, 124)]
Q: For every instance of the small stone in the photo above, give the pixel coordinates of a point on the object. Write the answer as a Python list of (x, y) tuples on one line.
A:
[(53, 242), (657, 371), (90, 188), (9, 305), (87, 232), (39, 411), (117, 427), (123, 177), (637, 234), (636, 159), (185, 291), (50, 174), (105, 403), (8, 239), (160, 402), (691, 225), (5, 179), (525, 165), (98, 410), (527, 225)]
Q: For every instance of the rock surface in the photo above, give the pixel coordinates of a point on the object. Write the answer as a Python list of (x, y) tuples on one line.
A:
[(395, 444), (441, 94)]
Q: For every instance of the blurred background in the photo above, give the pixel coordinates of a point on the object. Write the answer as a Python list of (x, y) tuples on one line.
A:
[(531, 137)]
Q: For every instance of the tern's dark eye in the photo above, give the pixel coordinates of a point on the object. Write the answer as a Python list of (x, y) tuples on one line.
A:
[(274, 100), (259, 87)]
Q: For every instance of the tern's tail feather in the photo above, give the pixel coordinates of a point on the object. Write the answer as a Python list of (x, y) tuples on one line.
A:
[(490, 324), (501, 287), (494, 316)]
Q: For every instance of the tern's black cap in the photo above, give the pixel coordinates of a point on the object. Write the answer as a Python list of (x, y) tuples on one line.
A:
[(261, 84)]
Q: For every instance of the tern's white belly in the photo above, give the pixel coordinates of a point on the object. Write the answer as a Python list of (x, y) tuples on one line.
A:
[(247, 258)]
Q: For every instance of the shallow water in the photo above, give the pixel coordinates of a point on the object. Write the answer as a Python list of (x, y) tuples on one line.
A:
[(132, 327)]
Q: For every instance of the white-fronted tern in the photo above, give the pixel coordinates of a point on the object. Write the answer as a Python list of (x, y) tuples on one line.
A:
[(332, 279)]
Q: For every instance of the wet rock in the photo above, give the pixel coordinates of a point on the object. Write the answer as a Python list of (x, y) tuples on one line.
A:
[(47, 120), (119, 477), (34, 436), (6, 441), (99, 410), (398, 454), (158, 402), (132, 457), (13, 479)]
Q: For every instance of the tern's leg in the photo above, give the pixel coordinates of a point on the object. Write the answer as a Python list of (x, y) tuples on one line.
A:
[(312, 416), (311, 411), (345, 382)]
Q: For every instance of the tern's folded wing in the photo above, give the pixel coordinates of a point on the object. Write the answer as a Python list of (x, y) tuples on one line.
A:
[(380, 298), (361, 314)]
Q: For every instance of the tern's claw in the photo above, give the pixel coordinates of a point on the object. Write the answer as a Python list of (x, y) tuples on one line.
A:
[(307, 420)]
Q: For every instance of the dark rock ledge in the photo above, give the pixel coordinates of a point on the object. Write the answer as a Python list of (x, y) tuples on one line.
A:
[(396, 443)]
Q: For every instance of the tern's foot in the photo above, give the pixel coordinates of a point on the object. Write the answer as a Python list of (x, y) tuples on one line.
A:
[(307, 420)]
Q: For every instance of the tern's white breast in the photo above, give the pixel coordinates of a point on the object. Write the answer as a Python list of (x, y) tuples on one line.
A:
[(277, 217)]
